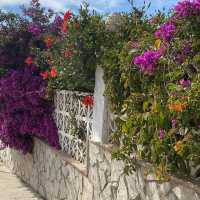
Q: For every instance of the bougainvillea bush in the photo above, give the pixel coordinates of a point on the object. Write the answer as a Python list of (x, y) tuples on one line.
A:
[(158, 110), (24, 110)]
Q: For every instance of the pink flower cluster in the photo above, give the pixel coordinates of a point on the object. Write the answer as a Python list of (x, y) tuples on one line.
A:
[(166, 31), (35, 29), (147, 62), (187, 8), (185, 83), (161, 134)]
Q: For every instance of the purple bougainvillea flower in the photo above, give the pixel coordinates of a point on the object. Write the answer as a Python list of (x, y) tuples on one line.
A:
[(174, 94), (187, 8), (35, 29), (180, 58), (58, 21), (166, 31), (147, 62), (187, 50), (174, 123), (25, 113), (56, 25), (185, 83), (161, 134)]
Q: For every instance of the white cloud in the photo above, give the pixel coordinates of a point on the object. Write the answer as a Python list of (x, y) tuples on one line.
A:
[(58, 5), (61, 5), (12, 2), (99, 5)]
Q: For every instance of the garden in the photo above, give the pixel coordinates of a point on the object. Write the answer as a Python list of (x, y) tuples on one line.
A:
[(151, 73)]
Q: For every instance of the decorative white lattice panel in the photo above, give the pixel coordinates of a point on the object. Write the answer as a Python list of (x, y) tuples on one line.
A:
[(74, 122)]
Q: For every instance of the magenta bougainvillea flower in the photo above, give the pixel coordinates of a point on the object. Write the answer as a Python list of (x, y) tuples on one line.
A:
[(187, 8), (179, 58), (58, 21), (166, 31), (174, 123), (174, 94), (185, 83), (161, 134), (147, 62), (24, 112), (35, 29), (187, 49)]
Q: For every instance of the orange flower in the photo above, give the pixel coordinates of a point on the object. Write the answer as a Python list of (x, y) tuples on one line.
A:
[(178, 107), (178, 146), (49, 41), (88, 101), (53, 72), (29, 61), (68, 53), (44, 74)]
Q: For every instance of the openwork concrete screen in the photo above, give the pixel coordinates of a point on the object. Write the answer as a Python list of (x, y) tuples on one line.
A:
[(74, 122)]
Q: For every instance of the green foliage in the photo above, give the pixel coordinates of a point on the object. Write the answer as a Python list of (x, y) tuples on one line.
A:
[(77, 53), (148, 105), (158, 113)]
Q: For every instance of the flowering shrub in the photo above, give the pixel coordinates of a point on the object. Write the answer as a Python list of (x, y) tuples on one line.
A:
[(166, 31), (187, 8), (151, 72), (24, 110), (77, 51), (158, 102), (147, 62)]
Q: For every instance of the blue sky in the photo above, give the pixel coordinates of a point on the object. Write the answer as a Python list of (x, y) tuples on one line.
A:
[(104, 6)]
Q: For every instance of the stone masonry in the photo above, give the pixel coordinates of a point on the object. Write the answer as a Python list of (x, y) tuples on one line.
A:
[(58, 177)]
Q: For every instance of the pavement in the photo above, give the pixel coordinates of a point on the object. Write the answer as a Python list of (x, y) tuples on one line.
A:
[(12, 188)]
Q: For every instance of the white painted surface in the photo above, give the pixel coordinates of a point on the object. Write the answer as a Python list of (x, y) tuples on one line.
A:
[(100, 125)]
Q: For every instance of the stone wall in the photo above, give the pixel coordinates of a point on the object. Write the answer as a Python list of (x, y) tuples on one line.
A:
[(51, 173), (110, 182), (58, 177)]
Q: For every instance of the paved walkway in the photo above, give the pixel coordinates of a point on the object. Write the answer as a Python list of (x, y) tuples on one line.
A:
[(12, 188)]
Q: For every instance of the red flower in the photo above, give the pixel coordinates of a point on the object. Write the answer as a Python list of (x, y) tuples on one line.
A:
[(68, 53), (64, 27), (44, 74), (88, 101), (29, 61), (53, 72), (49, 42), (68, 15)]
